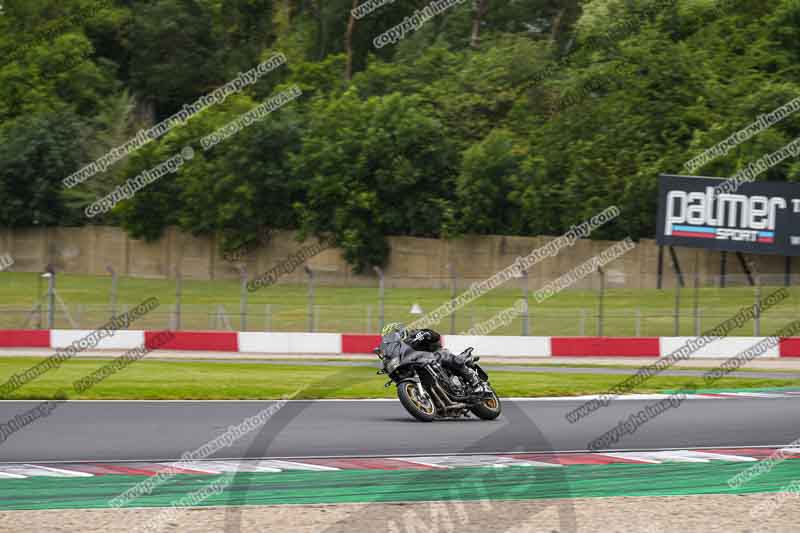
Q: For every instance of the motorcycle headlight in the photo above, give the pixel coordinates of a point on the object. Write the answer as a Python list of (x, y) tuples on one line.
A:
[(391, 365)]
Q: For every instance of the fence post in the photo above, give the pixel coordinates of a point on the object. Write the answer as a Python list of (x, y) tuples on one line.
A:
[(453, 297), (700, 319), (369, 318), (583, 322), (38, 307), (677, 312), (51, 297), (113, 273), (600, 306), (525, 332), (379, 272), (310, 274), (787, 271), (696, 303), (638, 321), (243, 300), (757, 314), (178, 292)]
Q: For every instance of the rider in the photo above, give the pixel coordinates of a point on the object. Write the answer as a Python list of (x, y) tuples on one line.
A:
[(412, 344)]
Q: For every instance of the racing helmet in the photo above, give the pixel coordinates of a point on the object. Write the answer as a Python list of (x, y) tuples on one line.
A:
[(424, 340), (395, 327)]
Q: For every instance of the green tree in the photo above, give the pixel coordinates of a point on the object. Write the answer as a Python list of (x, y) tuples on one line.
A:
[(374, 167), (484, 185), (36, 153)]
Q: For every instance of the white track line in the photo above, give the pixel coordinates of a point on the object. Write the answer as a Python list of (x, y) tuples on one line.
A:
[(65, 473), (28, 469), (294, 465), (387, 456), (726, 457)]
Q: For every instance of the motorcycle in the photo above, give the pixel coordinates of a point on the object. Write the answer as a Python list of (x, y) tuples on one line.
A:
[(428, 391)]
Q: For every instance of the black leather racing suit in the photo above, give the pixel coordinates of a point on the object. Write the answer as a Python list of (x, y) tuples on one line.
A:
[(393, 347)]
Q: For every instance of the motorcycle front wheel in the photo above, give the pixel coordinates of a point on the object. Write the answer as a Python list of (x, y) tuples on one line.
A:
[(419, 407), (488, 409)]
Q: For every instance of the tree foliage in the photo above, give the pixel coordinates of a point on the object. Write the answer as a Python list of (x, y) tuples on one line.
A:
[(516, 117)]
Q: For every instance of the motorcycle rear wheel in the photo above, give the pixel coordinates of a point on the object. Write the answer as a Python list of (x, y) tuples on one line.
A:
[(488, 409), (420, 408)]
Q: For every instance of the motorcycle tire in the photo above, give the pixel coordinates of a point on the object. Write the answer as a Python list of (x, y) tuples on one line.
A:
[(409, 396), (488, 409)]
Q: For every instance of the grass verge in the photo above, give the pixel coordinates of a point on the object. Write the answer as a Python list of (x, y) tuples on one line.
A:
[(160, 380)]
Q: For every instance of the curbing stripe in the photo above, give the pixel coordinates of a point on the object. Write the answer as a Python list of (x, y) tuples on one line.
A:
[(436, 462), (37, 470), (339, 344)]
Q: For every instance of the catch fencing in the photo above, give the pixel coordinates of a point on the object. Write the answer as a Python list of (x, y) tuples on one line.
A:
[(596, 306)]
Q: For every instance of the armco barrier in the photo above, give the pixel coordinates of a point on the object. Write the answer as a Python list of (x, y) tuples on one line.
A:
[(24, 338), (500, 345), (720, 347), (290, 343), (507, 346), (790, 347), (605, 346), (213, 341), (335, 343), (121, 340), (359, 343)]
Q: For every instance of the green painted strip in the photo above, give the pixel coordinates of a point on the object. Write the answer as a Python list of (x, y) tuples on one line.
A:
[(512, 483), (718, 391)]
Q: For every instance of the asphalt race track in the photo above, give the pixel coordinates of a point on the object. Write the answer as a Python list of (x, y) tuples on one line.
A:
[(153, 430)]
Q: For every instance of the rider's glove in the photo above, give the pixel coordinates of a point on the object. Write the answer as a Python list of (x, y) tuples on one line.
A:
[(466, 358)]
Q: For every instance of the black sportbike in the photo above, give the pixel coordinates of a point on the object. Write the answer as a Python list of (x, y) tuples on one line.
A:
[(429, 391)]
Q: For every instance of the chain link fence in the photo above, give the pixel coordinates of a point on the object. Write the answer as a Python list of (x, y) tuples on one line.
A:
[(592, 307)]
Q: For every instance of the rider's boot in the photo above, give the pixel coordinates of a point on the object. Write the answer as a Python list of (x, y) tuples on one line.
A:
[(476, 384)]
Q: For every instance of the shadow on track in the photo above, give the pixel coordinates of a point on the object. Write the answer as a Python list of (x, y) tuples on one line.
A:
[(420, 515)]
